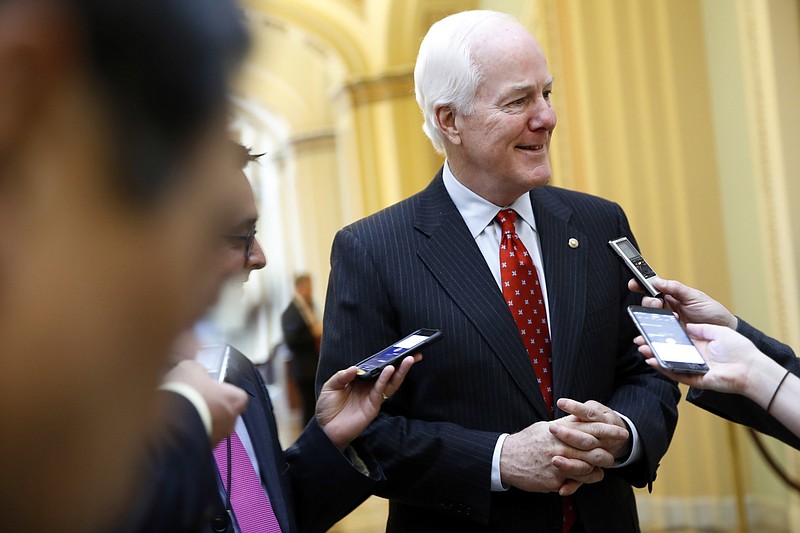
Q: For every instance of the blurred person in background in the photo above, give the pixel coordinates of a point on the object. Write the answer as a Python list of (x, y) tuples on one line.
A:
[(302, 331), (112, 136)]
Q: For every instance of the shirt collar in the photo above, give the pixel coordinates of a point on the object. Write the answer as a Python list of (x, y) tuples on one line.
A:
[(479, 212)]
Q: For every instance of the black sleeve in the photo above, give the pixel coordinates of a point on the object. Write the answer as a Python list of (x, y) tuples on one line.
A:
[(296, 333), (177, 491), (326, 484)]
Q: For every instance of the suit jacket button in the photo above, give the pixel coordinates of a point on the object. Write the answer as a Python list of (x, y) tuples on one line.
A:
[(220, 523)]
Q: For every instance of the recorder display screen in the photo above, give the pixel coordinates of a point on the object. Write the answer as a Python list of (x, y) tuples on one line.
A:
[(628, 249)]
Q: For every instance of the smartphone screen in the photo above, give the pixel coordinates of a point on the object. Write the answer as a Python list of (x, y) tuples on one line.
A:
[(372, 366), (215, 359), (667, 339)]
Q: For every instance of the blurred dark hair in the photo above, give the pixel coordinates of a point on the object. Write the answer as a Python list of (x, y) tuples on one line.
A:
[(246, 154), (163, 69)]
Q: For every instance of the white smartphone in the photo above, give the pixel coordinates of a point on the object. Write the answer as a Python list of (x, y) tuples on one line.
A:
[(671, 346), (636, 264)]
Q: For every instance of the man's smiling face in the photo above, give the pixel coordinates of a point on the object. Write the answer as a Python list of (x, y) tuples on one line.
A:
[(505, 143)]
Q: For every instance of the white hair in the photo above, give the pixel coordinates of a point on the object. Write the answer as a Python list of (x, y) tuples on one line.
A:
[(445, 73)]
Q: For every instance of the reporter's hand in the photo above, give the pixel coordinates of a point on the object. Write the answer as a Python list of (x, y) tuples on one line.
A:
[(735, 365), (345, 406), (689, 304), (225, 401)]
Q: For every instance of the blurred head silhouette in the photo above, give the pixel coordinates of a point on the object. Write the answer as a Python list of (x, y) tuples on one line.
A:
[(112, 140)]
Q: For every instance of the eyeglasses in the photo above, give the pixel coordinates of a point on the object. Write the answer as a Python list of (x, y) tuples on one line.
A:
[(247, 240)]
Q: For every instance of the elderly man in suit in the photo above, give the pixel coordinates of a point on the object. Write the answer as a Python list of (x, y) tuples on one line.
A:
[(534, 413)]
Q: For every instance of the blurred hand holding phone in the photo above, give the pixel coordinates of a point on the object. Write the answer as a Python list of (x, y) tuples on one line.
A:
[(214, 358)]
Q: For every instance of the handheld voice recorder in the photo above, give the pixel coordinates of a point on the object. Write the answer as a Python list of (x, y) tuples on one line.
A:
[(636, 264)]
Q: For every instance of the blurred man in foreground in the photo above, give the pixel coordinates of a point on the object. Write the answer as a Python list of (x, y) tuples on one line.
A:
[(112, 122), (249, 484)]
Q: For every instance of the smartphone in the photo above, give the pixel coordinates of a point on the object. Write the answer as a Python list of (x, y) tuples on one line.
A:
[(665, 336), (636, 264), (371, 367), (215, 359)]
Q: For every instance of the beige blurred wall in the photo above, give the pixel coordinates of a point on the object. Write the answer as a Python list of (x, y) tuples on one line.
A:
[(686, 112)]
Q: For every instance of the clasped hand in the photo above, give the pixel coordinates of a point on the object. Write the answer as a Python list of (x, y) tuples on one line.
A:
[(561, 455)]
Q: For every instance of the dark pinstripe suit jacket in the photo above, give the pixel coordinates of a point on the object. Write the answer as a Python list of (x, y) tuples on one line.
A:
[(416, 265)]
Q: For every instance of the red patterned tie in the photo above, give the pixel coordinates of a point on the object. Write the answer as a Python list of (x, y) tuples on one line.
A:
[(525, 300), (248, 499)]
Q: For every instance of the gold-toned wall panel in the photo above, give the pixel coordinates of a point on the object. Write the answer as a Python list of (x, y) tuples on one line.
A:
[(634, 126), (318, 217), (682, 111)]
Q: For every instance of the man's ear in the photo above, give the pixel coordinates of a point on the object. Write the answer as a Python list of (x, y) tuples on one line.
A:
[(446, 120), (37, 41)]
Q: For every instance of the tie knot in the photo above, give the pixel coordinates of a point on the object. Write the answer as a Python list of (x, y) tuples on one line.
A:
[(506, 218)]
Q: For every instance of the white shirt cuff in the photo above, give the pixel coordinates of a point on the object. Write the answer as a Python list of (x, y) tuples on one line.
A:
[(636, 446), (497, 483), (194, 397)]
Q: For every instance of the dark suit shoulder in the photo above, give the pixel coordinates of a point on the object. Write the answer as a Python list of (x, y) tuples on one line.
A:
[(432, 201), (178, 486), (402, 210), (591, 214), (571, 195), (435, 194), (577, 201)]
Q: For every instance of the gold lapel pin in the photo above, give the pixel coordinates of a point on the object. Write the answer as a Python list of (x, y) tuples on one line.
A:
[(573, 243)]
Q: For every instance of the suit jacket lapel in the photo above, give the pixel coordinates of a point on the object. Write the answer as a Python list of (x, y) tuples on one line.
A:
[(455, 261), (260, 423), (565, 275)]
